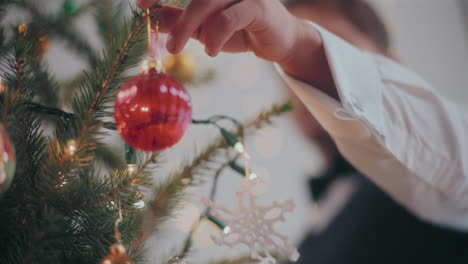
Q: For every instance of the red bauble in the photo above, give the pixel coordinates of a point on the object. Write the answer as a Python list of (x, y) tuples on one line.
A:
[(152, 112), (146, 3)]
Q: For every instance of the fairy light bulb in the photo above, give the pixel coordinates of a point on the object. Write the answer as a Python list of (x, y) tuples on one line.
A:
[(226, 230), (71, 147), (239, 147), (23, 29), (131, 168), (64, 182), (253, 176)]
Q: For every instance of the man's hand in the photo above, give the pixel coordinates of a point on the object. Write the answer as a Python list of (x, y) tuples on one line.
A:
[(264, 27)]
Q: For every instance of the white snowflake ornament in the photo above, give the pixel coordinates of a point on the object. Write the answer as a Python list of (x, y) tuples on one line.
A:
[(252, 225)]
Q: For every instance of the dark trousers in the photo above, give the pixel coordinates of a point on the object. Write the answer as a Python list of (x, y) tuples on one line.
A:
[(374, 229)]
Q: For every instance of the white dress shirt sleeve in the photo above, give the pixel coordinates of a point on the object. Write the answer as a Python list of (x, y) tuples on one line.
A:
[(395, 129)]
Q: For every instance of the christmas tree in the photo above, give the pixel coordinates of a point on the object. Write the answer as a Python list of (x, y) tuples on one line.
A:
[(71, 197)]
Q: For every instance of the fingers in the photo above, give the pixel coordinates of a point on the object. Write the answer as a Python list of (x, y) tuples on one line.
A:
[(190, 20), (225, 24), (208, 21), (169, 16)]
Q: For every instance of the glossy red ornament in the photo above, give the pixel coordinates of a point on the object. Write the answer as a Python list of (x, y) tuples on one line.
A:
[(153, 110), (146, 3)]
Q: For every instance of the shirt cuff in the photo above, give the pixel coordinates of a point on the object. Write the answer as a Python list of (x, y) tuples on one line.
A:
[(329, 112), (356, 77), (359, 85)]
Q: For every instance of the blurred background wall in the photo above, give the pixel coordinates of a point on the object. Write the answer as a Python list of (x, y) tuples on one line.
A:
[(431, 36)]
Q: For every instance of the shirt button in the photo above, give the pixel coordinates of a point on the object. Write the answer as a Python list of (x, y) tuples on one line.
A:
[(355, 103)]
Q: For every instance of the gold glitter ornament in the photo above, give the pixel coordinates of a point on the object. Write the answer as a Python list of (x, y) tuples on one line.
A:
[(182, 66)]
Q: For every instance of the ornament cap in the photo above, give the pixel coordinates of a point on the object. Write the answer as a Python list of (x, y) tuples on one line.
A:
[(117, 249), (151, 66)]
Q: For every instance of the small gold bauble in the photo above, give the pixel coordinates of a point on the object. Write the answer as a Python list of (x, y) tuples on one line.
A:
[(42, 38), (181, 66), (23, 29)]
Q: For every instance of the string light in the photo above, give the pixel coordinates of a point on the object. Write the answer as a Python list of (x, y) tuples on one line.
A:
[(71, 147), (226, 230)]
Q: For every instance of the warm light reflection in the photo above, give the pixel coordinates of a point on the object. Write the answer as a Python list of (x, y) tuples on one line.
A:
[(23, 29), (64, 182), (3, 86), (131, 168), (140, 204), (71, 146)]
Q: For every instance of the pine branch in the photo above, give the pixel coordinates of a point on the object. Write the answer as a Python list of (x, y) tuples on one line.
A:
[(36, 194), (88, 105), (88, 229), (18, 65), (20, 201), (131, 180), (115, 67)]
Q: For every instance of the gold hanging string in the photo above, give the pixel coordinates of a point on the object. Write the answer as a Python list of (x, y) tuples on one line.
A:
[(159, 64), (153, 44), (148, 26)]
